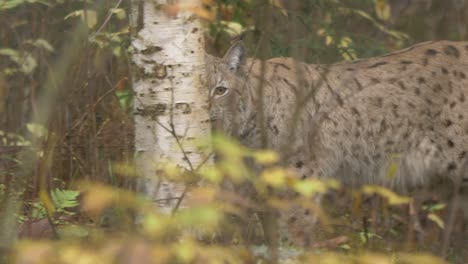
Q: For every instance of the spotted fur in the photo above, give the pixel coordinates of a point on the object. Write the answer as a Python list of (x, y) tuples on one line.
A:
[(352, 121)]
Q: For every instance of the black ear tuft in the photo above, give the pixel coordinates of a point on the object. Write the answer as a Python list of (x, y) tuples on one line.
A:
[(235, 56)]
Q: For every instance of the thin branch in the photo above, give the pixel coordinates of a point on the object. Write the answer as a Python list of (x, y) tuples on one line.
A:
[(109, 15)]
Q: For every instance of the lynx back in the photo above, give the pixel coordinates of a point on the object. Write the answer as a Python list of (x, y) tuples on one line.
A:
[(352, 121)]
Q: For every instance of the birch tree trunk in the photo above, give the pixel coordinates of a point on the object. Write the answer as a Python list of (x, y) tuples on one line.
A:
[(171, 100)]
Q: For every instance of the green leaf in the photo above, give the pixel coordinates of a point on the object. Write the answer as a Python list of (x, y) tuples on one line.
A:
[(117, 51), (65, 198), (26, 62), (88, 16), (38, 210), (41, 43), (434, 207), (369, 235), (73, 14), (73, 231), (119, 12), (9, 4), (37, 130), (13, 54), (345, 247)]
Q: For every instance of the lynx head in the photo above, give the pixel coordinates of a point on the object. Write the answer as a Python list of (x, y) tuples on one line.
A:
[(230, 102)]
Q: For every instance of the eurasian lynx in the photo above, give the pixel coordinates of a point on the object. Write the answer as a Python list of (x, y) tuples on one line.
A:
[(351, 121)]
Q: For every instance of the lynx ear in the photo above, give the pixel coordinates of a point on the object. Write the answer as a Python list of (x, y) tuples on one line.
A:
[(235, 56)]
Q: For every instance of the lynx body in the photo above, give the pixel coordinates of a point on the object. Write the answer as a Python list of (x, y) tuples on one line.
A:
[(352, 121)]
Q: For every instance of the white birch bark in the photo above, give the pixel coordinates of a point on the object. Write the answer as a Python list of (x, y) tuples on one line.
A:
[(170, 94)]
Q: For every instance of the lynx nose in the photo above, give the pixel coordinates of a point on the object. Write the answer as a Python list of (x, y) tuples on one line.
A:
[(216, 123)]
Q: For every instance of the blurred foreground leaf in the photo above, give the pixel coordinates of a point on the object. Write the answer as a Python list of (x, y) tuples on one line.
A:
[(392, 197)]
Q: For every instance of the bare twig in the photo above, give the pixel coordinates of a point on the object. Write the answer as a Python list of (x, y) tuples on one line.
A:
[(109, 15)]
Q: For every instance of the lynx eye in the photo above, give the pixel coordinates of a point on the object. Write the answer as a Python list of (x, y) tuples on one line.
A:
[(220, 90)]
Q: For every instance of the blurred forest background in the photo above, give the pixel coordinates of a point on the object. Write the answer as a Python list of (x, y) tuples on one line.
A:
[(66, 118)]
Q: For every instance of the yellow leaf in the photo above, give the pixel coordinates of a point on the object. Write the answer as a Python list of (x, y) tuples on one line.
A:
[(73, 231), (393, 198), (97, 198), (172, 171), (227, 147), (119, 12), (348, 54), (186, 252), (90, 17), (275, 177), (310, 187), (375, 259), (232, 28), (321, 32), (234, 169), (328, 40), (37, 130), (421, 258), (436, 219), (155, 225), (161, 253), (333, 184), (125, 169), (279, 5), (32, 252), (212, 174), (383, 9), (202, 218), (392, 169), (265, 157), (344, 43)]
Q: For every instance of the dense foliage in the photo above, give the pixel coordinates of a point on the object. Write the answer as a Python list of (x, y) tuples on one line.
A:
[(66, 132)]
